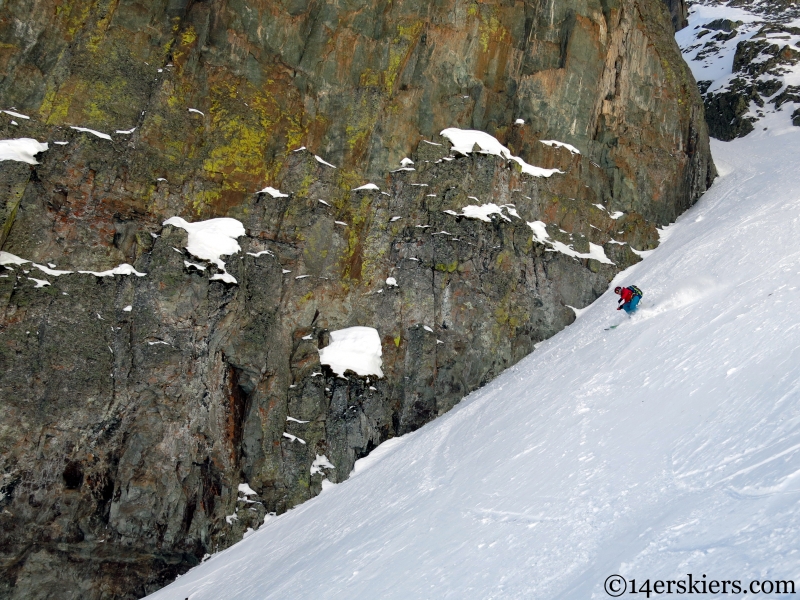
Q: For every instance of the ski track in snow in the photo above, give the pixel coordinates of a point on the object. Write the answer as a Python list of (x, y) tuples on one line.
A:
[(668, 446)]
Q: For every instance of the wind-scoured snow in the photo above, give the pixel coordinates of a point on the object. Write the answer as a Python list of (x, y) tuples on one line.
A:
[(355, 348), (667, 446), (21, 150), (211, 240), (464, 140)]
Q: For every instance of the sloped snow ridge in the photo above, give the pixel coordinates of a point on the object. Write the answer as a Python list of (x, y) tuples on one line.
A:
[(665, 447)]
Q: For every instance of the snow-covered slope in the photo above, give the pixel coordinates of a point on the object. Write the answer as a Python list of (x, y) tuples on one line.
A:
[(668, 446), (746, 60)]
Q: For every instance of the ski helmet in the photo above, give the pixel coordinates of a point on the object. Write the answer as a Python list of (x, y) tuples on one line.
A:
[(617, 290)]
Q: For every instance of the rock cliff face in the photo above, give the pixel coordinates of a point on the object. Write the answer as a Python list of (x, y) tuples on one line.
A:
[(136, 401), (679, 13), (763, 45)]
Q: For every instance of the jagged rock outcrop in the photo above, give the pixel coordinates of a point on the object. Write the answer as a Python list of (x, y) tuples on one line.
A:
[(765, 56), (136, 405)]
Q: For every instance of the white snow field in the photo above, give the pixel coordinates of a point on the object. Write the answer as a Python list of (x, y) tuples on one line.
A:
[(667, 447)]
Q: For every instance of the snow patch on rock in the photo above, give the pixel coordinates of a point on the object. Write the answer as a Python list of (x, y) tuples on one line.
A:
[(483, 211), (95, 133), (464, 140), (273, 192), (540, 235), (245, 489), (320, 462), (366, 186), (123, 269), (212, 239), (355, 348), (21, 150), (557, 144)]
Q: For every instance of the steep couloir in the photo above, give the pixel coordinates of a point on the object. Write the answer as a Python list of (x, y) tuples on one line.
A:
[(154, 412)]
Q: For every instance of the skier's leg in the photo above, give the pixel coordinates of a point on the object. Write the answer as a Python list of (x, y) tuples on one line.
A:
[(633, 304)]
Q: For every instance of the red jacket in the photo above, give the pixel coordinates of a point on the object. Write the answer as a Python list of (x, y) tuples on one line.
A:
[(625, 296)]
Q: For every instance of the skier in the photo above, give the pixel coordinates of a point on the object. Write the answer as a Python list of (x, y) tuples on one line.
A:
[(629, 298)]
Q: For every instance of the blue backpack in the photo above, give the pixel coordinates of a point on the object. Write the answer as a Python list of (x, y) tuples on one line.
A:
[(636, 291)]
